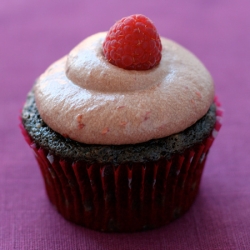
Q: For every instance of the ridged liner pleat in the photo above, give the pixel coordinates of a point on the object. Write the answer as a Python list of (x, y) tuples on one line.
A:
[(128, 197)]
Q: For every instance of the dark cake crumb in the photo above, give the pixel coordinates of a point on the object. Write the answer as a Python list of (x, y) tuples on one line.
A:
[(151, 150)]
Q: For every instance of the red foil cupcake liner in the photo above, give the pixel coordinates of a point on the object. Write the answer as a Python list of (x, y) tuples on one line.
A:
[(128, 197)]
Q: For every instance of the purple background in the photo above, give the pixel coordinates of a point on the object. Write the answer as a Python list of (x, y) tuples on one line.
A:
[(36, 33)]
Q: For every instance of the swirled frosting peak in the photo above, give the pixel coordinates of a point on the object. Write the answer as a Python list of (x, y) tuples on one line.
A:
[(84, 97)]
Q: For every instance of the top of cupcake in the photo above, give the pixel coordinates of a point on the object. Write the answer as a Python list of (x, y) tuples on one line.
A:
[(133, 43), (97, 95)]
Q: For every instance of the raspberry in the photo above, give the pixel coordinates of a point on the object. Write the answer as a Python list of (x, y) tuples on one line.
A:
[(133, 43)]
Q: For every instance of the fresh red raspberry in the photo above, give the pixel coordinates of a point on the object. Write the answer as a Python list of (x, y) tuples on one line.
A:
[(133, 43)]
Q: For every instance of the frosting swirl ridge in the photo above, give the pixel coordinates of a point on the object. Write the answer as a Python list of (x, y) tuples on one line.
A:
[(85, 98), (87, 68)]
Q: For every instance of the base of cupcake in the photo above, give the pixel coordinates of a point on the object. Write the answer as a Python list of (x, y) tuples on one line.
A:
[(127, 197)]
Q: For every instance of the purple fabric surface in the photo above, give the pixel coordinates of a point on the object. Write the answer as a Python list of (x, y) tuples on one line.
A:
[(36, 33)]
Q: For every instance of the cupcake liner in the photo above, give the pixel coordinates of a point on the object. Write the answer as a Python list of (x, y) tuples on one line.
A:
[(128, 197)]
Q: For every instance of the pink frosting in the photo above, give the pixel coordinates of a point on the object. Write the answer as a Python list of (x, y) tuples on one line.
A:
[(85, 98)]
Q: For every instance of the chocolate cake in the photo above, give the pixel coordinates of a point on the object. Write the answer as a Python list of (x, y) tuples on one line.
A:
[(116, 154), (121, 128)]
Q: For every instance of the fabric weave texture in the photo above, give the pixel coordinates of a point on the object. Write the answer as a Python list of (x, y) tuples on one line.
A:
[(34, 34)]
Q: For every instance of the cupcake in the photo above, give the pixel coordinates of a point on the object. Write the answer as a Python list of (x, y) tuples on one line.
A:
[(121, 128)]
